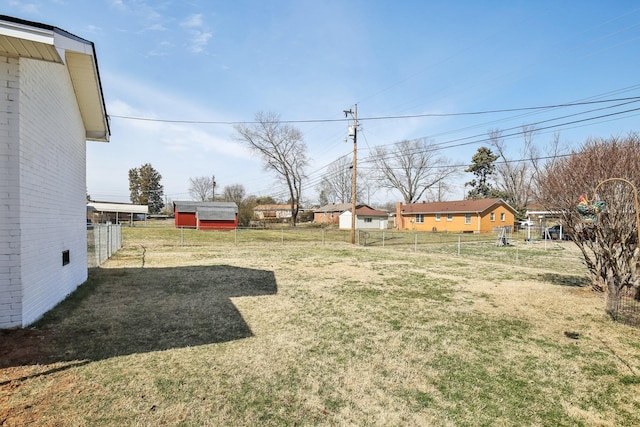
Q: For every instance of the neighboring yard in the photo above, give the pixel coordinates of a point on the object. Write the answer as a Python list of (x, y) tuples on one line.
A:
[(213, 332)]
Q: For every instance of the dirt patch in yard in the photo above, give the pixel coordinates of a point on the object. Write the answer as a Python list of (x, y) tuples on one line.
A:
[(28, 346)]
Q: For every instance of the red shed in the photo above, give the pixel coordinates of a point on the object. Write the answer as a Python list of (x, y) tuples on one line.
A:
[(206, 215)]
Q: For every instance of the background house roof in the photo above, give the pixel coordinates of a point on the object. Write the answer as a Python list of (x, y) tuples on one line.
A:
[(458, 206), (340, 207), (33, 40), (365, 210)]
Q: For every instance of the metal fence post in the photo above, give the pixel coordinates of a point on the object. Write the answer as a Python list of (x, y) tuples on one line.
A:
[(99, 244), (108, 243)]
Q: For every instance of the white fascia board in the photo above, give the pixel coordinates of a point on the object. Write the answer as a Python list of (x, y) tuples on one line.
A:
[(64, 42), (25, 32)]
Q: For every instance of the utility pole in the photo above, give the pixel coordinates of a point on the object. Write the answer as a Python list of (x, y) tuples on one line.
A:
[(213, 190), (353, 132)]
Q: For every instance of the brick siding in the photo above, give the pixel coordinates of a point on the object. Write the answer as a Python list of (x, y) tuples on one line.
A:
[(45, 157)]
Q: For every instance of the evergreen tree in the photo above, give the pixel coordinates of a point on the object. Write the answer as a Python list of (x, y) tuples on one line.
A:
[(483, 168), (145, 188)]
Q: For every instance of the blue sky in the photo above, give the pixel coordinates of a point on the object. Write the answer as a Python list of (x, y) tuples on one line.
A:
[(224, 61)]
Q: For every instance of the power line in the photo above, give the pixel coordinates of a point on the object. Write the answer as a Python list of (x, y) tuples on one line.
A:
[(319, 169), (507, 110), (454, 143), (477, 139), (408, 116), (317, 179)]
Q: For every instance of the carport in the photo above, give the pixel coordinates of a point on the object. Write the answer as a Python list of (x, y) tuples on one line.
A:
[(102, 212)]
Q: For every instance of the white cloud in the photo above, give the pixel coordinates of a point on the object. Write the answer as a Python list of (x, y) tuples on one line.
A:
[(199, 41), (199, 35), (162, 49), (141, 9), (118, 3), (193, 21), (156, 27), (135, 99), (93, 29), (24, 7)]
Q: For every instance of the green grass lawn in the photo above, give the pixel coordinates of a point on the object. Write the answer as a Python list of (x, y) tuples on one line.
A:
[(212, 332)]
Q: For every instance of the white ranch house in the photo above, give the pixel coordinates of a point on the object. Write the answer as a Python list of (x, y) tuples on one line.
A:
[(51, 103), (367, 218)]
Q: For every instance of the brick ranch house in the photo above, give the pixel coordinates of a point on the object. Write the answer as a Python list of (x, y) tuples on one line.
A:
[(206, 215), (460, 216), (272, 212), (51, 103)]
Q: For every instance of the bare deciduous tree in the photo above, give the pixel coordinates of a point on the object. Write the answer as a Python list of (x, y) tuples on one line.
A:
[(201, 188), (336, 184), (412, 167), (233, 193), (282, 149), (609, 245), (439, 192), (515, 178)]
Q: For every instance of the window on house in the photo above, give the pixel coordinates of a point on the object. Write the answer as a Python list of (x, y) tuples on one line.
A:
[(467, 218), (502, 216), (438, 216), (420, 218), (449, 217), (368, 220), (492, 216)]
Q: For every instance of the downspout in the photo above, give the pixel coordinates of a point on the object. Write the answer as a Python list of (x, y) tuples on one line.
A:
[(479, 223)]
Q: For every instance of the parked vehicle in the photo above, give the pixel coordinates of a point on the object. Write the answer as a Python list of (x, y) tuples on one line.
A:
[(554, 233)]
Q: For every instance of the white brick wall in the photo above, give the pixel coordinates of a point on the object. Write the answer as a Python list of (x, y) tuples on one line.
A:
[(10, 284), (45, 192), (53, 187)]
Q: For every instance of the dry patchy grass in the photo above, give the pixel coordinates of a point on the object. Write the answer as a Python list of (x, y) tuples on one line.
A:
[(308, 334)]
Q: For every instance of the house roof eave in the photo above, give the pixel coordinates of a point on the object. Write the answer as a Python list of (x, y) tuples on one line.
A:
[(33, 40)]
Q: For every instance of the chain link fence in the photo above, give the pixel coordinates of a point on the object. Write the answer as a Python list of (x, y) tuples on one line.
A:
[(501, 244), (103, 240)]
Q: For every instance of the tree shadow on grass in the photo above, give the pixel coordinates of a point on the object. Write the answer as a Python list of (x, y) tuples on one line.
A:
[(134, 310), (565, 280)]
